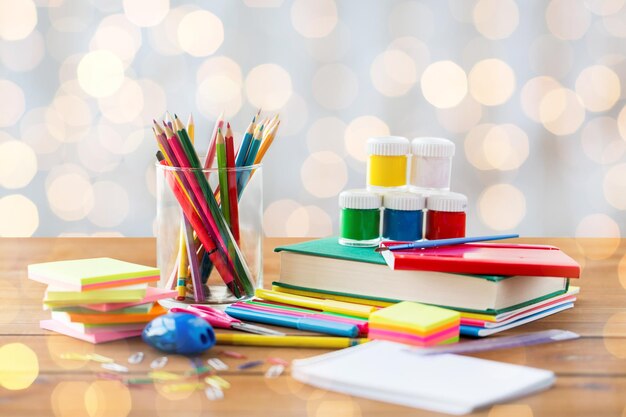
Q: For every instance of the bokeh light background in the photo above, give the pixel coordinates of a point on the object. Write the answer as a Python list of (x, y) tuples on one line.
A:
[(531, 92)]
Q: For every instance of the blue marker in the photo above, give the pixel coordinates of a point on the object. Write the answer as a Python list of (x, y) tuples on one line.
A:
[(301, 323)]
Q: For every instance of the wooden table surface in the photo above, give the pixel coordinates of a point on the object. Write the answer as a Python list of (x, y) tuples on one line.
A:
[(591, 371)]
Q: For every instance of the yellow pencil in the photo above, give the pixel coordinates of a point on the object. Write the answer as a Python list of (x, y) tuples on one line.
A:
[(323, 342), (331, 306), (191, 128)]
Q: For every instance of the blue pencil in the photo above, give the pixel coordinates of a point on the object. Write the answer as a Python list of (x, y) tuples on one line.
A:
[(255, 144), (444, 242), (245, 145)]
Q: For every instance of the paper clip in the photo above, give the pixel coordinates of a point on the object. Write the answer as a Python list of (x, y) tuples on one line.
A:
[(214, 393), (217, 382), (138, 381), (86, 357), (232, 354), (249, 365), (158, 363), (197, 362), (190, 386), (164, 376), (198, 371), (115, 367), (135, 358), (275, 371), (217, 364), (99, 358), (278, 361)]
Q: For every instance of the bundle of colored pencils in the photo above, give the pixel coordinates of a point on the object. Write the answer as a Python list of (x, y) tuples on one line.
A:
[(209, 232)]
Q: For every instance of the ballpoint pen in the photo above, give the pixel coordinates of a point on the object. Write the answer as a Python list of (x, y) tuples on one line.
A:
[(220, 319)]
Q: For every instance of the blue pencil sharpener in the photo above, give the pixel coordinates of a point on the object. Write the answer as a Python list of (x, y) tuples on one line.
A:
[(179, 333)]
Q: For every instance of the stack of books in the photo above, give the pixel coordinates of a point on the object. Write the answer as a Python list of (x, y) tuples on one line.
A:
[(493, 288), (99, 299)]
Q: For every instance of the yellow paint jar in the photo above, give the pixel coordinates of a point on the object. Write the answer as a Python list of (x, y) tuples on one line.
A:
[(387, 163)]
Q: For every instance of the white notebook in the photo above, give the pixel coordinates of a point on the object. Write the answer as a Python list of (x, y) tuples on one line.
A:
[(390, 372)]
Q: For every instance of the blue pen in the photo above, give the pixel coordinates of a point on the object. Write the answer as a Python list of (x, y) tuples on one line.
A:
[(444, 242), (301, 323)]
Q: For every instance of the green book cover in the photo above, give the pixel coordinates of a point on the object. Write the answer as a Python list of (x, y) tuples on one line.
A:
[(330, 248)]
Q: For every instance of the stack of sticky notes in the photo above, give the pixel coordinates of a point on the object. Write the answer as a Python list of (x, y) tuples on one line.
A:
[(99, 299), (415, 324)]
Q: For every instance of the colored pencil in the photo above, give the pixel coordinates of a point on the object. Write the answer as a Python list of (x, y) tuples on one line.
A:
[(210, 155), (223, 175), (245, 144), (241, 271), (233, 203), (323, 342), (183, 151), (267, 142), (254, 148)]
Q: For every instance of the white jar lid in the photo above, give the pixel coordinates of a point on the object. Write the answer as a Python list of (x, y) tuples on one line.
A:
[(432, 147), (388, 146), (404, 201), (359, 199), (453, 202)]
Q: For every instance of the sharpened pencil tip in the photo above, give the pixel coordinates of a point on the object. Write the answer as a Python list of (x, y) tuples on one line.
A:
[(381, 249)]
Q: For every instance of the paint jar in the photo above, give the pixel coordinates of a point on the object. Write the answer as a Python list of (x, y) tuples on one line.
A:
[(360, 218), (445, 216), (403, 216), (431, 164), (387, 163)]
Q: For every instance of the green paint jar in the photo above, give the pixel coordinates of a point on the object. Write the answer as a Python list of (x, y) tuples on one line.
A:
[(359, 220)]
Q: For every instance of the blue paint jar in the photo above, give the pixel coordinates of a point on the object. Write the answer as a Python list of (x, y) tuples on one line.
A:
[(403, 216)]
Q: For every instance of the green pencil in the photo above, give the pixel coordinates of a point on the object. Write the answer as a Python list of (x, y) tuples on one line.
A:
[(220, 148)]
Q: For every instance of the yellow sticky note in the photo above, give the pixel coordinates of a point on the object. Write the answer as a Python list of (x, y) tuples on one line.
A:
[(414, 317)]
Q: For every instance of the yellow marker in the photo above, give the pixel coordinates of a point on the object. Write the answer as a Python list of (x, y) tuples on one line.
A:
[(331, 306), (323, 342)]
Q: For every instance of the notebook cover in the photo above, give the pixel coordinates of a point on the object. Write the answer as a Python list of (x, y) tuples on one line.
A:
[(91, 273), (101, 337), (473, 331), (392, 372), (330, 248), (486, 258), (375, 301)]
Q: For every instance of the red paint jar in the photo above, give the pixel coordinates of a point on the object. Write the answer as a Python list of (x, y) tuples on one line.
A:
[(445, 216)]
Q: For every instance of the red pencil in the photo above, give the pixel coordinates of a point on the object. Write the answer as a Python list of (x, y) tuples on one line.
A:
[(196, 223), (232, 183), (210, 155)]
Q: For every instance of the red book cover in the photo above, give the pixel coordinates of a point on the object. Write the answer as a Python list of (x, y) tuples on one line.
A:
[(486, 259)]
